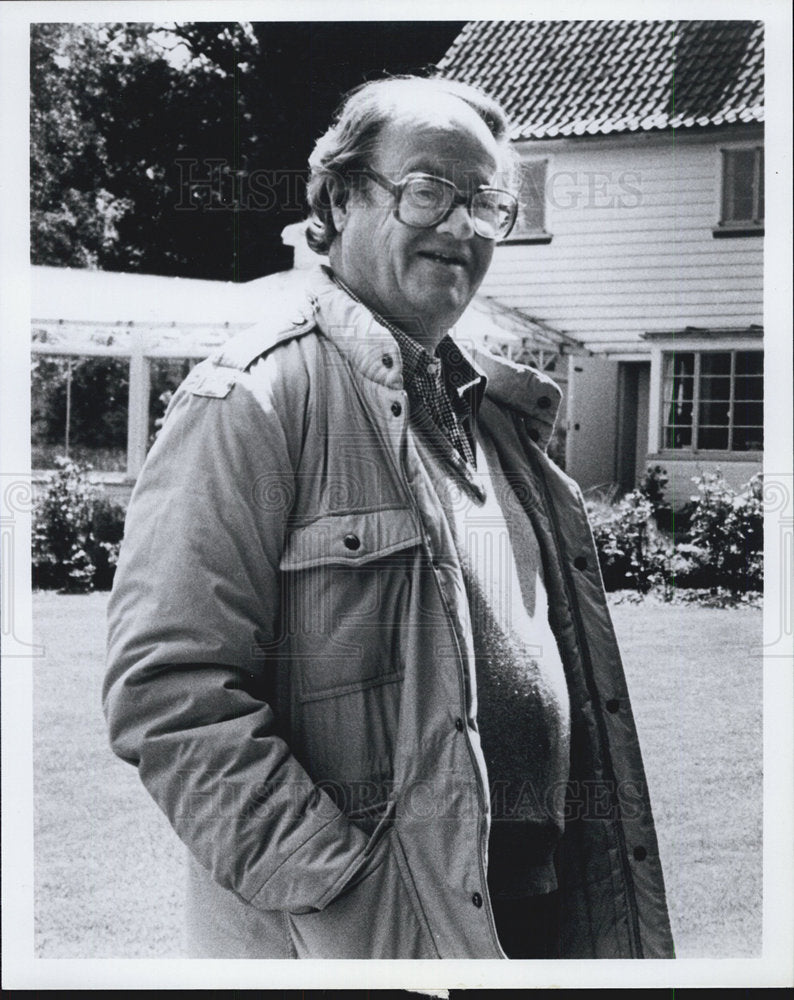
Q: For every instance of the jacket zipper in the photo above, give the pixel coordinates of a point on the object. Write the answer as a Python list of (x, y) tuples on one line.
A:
[(628, 878)]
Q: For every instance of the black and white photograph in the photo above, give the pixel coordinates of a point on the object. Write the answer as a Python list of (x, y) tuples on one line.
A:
[(397, 505)]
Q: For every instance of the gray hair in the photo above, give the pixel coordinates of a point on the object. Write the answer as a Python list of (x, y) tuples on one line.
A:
[(348, 146)]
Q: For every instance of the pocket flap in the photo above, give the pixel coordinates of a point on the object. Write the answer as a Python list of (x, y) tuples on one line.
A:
[(350, 539)]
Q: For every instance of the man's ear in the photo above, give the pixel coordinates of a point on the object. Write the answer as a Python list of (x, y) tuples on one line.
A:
[(339, 198)]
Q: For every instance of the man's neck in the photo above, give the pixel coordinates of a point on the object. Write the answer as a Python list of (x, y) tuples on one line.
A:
[(427, 336)]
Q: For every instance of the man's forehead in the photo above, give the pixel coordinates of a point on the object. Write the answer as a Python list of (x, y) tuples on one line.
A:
[(458, 142)]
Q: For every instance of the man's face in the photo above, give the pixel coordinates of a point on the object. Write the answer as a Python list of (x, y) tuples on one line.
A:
[(422, 278)]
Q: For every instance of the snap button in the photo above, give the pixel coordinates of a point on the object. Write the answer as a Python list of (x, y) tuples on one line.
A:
[(534, 434), (580, 562), (613, 705), (396, 408), (352, 542), (477, 900), (387, 360), (640, 854), (459, 725), (544, 402)]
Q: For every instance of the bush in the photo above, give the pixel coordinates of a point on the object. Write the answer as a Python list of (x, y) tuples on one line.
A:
[(724, 548), (653, 486), (77, 532), (632, 551)]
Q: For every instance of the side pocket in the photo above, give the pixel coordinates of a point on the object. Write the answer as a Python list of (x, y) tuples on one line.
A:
[(410, 888), (373, 917)]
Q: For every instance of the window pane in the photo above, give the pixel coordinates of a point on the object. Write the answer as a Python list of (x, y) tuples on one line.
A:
[(678, 390), (679, 413), (712, 438), (166, 376), (96, 393), (714, 413), (749, 388), (712, 363), (748, 439), (684, 399), (715, 388), (760, 216), (739, 168), (532, 199), (749, 362), (677, 437), (679, 364), (747, 414)]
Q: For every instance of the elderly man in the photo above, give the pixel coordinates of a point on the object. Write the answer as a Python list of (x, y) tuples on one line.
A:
[(359, 649)]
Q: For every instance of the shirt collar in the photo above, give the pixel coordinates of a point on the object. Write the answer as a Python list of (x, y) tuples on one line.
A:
[(464, 379)]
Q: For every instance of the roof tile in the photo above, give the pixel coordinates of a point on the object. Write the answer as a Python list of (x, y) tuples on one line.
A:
[(594, 77)]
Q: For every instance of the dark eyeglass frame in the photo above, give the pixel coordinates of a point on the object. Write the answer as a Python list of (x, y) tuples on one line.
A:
[(458, 198)]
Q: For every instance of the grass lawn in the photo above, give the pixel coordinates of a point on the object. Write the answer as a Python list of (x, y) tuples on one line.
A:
[(695, 679), (109, 868)]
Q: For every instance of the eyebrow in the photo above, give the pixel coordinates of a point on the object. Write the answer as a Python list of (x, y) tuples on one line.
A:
[(421, 165)]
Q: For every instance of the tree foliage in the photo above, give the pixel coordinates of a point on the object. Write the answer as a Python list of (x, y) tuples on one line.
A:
[(115, 109), (180, 149)]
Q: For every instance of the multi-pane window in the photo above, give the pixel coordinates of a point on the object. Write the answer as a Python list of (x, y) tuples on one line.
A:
[(713, 401), (742, 188), (531, 220)]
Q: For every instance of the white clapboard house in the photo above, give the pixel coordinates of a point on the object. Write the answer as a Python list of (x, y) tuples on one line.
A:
[(641, 233)]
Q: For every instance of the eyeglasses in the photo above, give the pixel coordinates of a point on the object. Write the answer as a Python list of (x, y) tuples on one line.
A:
[(423, 201)]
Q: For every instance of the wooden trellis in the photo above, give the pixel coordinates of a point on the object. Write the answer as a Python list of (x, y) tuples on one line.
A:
[(141, 344)]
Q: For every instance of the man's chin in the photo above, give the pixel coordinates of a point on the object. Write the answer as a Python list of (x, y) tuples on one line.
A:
[(442, 311)]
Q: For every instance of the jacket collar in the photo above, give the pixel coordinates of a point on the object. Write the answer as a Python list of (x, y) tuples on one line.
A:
[(366, 344), (531, 394)]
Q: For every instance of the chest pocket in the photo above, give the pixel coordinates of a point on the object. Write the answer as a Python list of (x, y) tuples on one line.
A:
[(347, 582)]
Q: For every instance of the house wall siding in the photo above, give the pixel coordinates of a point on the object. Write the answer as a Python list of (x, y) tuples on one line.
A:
[(680, 487), (632, 250)]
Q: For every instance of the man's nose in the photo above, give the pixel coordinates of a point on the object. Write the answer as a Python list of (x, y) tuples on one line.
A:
[(458, 223)]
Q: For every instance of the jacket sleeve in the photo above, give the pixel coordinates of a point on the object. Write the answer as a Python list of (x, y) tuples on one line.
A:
[(193, 624)]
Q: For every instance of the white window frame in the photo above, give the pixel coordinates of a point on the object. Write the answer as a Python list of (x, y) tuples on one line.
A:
[(658, 421)]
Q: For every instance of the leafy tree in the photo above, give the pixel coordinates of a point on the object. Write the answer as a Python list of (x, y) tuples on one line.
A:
[(72, 212), (117, 111), (181, 149)]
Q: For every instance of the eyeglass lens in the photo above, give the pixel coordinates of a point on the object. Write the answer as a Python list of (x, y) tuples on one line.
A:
[(425, 201)]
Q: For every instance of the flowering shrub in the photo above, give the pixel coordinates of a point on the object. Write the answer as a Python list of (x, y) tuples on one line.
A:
[(653, 486), (725, 541), (722, 550), (76, 532), (632, 551)]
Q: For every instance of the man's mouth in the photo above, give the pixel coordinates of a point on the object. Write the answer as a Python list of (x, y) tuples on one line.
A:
[(451, 259)]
